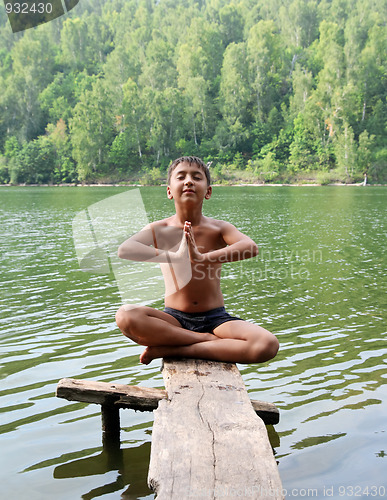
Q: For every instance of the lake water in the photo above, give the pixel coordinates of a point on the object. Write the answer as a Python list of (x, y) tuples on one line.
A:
[(318, 284)]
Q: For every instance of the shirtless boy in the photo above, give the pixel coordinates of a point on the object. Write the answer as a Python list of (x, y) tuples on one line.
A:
[(191, 248)]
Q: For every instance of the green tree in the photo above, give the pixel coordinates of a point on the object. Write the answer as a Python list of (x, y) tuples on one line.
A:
[(8, 161), (91, 131), (299, 23), (59, 98), (373, 76), (158, 69), (231, 24), (346, 152), (121, 64), (4, 171), (75, 44), (161, 118), (35, 162), (364, 153), (323, 112), (377, 123), (302, 89), (199, 63), (119, 155), (29, 55), (235, 94), (64, 166), (133, 122), (265, 66)]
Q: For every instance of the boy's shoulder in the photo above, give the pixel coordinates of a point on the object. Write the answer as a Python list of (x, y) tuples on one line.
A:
[(168, 221), (218, 223), (206, 222)]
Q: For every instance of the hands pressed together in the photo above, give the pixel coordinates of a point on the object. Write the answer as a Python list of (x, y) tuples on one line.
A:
[(188, 247)]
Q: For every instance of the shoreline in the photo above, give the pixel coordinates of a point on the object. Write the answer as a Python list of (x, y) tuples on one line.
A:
[(261, 185)]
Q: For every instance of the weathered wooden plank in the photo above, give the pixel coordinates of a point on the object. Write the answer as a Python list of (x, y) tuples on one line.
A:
[(207, 441), (136, 398), (104, 393)]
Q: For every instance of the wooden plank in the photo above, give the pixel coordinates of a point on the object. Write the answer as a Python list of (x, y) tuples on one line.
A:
[(207, 441), (136, 398), (104, 393)]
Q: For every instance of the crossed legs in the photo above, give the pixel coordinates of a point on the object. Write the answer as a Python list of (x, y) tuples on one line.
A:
[(235, 341)]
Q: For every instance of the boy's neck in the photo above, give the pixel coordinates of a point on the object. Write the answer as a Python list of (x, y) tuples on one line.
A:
[(191, 214)]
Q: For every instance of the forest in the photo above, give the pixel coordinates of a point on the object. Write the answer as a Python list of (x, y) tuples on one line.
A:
[(277, 91)]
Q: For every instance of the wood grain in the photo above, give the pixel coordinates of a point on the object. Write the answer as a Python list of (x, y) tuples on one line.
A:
[(207, 441)]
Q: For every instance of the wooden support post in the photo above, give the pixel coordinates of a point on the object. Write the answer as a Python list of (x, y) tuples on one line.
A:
[(110, 419), (110, 427), (207, 440)]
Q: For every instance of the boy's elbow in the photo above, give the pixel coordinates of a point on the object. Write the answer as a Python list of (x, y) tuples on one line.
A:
[(254, 250), (121, 252), (129, 251)]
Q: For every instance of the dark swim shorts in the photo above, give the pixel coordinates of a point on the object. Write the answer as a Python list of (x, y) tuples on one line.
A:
[(201, 322)]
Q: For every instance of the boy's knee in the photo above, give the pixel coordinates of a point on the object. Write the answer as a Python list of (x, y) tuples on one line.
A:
[(122, 318), (264, 350), (126, 317), (272, 347)]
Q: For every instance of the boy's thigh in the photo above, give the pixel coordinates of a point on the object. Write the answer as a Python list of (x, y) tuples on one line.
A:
[(164, 316), (241, 330), (146, 312)]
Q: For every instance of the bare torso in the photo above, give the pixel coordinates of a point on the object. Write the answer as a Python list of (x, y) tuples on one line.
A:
[(191, 287)]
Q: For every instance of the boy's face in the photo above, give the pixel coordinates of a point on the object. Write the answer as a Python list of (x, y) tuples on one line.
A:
[(188, 182)]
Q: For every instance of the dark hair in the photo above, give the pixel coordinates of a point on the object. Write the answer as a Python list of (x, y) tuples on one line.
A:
[(190, 159)]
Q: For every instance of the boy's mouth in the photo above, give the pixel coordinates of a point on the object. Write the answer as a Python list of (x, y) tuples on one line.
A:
[(188, 191)]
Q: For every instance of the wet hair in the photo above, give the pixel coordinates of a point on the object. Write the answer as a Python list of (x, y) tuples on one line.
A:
[(191, 160)]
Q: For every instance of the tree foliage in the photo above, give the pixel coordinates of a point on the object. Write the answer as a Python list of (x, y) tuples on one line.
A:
[(116, 89)]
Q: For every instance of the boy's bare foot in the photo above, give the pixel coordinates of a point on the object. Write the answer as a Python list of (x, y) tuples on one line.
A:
[(153, 352), (146, 357)]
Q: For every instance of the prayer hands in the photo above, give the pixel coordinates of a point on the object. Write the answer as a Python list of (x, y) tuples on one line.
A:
[(193, 251), (187, 247)]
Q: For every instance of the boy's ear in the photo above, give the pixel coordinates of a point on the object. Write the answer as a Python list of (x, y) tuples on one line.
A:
[(169, 194), (209, 193)]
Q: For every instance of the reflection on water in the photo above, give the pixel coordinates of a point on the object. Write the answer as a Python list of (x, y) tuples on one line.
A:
[(318, 284), (131, 464)]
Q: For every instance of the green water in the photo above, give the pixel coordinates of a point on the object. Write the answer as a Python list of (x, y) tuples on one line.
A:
[(318, 284)]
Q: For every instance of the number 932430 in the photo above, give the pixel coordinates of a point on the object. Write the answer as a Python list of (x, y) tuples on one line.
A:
[(28, 8)]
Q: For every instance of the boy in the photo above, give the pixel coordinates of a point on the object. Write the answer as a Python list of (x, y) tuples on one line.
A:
[(190, 249)]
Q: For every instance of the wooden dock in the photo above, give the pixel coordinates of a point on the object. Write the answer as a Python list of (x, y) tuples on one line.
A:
[(208, 440)]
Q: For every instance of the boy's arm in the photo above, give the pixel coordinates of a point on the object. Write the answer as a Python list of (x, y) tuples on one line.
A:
[(139, 247), (239, 246)]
